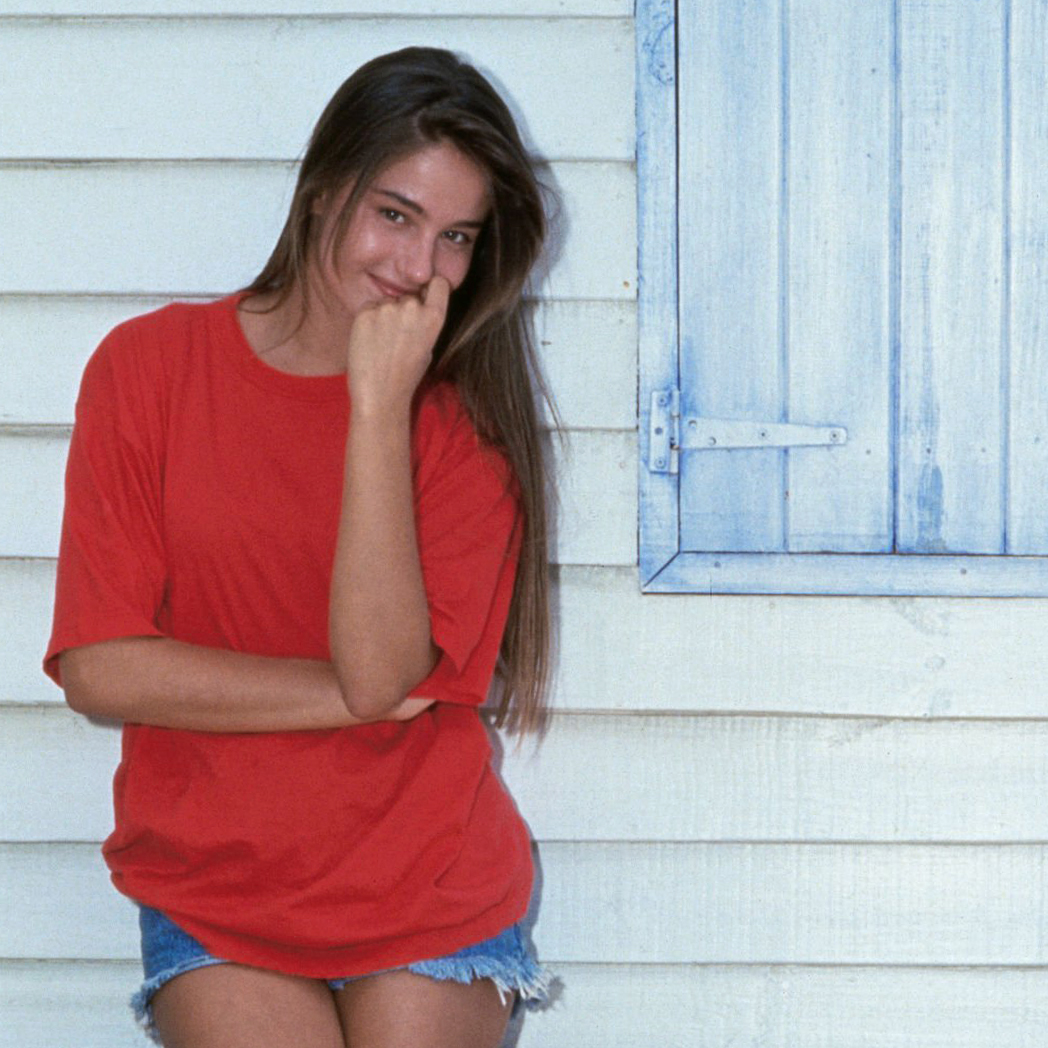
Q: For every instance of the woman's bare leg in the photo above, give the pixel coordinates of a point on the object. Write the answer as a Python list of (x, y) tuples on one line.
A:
[(403, 1010), (232, 1006)]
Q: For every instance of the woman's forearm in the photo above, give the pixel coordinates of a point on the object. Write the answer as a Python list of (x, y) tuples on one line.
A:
[(379, 626), (169, 684)]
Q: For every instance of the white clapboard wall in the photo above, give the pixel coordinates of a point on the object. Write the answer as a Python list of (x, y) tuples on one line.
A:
[(779, 822)]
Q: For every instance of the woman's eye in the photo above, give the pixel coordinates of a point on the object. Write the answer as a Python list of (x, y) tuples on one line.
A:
[(459, 238), (391, 214)]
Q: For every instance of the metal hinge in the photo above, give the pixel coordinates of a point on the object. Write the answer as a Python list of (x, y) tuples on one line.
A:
[(669, 434)]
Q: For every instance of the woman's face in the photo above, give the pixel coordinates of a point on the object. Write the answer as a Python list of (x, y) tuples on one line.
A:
[(420, 217)]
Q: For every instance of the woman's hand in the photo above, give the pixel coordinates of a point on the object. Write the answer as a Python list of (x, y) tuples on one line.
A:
[(391, 346)]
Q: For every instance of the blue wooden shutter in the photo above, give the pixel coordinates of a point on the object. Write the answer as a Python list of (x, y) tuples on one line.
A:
[(859, 246)]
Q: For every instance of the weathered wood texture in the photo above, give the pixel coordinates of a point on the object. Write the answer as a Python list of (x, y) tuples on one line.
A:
[(622, 1006), (1026, 322), (622, 650), (861, 244), (588, 350), (275, 76), (836, 252), (187, 229), (697, 778), (324, 8), (596, 478), (678, 903), (729, 276), (952, 420)]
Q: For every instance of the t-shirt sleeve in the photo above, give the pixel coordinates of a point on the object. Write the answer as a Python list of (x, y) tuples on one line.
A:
[(110, 564), (468, 521)]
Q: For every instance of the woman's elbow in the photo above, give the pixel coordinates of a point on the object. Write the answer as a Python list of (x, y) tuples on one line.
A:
[(373, 688), (368, 701), (80, 683)]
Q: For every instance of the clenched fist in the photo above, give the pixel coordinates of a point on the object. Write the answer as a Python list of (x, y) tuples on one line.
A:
[(391, 346)]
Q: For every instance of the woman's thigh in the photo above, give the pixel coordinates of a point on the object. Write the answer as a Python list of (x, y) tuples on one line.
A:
[(232, 1006), (400, 1009)]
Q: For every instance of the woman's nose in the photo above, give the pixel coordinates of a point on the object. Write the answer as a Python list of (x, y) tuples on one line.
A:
[(416, 261)]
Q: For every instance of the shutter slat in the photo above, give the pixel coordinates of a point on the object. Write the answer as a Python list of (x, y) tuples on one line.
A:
[(950, 444), (1028, 321), (839, 338), (730, 128)]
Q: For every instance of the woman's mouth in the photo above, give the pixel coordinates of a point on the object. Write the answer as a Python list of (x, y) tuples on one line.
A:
[(388, 289)]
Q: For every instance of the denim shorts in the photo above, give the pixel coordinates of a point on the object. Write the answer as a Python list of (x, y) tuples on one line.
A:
[(505, 959)]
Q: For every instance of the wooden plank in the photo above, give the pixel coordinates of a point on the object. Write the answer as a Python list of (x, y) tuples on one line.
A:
[(595, 477), (47, 1003), (915, 657), (1028, 301), (175, 101), (589, 353), (615, 1006), (620, 1006), (257, 8), (45, 342), (658, 348), (27, 590), (185, 229), (838, 171), (626, 651), (951, 440), (672, 903), (730, 128), (855, 574), (648, 778), (597, 488), (32, 468)]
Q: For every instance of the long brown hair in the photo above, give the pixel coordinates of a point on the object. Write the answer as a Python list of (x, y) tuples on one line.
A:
[(389, 108)]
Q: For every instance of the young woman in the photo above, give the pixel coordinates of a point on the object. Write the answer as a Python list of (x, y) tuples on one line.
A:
[(303, 526)]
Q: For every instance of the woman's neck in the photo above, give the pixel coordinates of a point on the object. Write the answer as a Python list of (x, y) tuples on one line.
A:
[(293, 335)]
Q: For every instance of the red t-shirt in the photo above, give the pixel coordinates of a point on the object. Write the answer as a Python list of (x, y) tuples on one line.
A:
[(203, 494)]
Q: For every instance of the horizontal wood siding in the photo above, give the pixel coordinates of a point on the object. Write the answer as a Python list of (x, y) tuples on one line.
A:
[(55, 334), (692, 779), (672, 1006), (322, 8), (596, 468), (679, 903), (131, 223), (274, 77), (622, 651)]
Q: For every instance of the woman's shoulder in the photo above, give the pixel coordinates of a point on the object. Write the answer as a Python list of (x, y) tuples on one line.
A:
[(150, 344), (159, 327)]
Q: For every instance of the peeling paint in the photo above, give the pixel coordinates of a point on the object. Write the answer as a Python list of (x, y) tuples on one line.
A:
[(930, 511)]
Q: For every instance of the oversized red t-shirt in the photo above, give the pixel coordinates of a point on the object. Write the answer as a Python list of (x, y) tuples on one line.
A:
[(203, 494)]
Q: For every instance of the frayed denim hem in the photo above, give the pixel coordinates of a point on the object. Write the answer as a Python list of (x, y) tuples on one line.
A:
[(529, 981), (140, 1002), (505, 959)]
